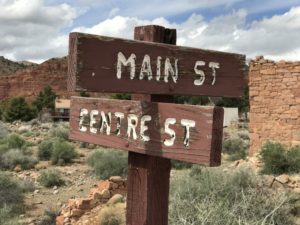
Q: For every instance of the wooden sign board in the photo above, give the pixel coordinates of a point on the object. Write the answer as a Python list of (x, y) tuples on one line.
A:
[(181, 132), (105, 64)]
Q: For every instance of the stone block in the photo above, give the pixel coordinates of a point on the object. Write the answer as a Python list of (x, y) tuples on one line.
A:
[(105, 185), (60, 220), (83, 203), (77, 212)]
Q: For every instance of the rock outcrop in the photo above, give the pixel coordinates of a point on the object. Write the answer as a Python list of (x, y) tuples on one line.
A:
[(8, 67), (28, 82)]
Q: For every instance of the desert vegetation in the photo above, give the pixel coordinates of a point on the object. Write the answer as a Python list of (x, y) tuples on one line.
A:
[(41, 167), (211, 196), (279, 159)]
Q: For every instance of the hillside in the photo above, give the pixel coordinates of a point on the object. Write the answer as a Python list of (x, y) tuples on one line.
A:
[(8, 67), (30, 80)]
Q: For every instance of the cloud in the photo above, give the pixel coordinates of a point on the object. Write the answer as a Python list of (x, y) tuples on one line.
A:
[(120, 26), (32, 31), (167, 8), (113, 12), (276, 37)]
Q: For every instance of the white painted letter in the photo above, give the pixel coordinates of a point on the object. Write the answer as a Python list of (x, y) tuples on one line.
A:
[(158, 68), (105, 122), (93, 121), (122, 61), (169, 70), (144, 119), (214, 66), (132, 121), (170, 142), (83, 113), (119, 116), (201, 79), (146, 68), (187, 124)]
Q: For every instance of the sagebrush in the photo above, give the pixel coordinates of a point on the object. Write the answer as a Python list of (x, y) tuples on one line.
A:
[(235, 148), (107, 163), (212, 197), (50, 178), (279, 159), (113, 215)]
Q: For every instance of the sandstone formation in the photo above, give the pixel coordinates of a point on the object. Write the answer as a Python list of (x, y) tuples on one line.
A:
[(8, 67), (274, 91), (30, 81)]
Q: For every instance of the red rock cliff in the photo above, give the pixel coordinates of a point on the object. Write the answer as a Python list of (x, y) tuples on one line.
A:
[(29, 82)]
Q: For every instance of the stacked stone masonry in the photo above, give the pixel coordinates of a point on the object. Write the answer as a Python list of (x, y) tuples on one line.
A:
[(274, 91)]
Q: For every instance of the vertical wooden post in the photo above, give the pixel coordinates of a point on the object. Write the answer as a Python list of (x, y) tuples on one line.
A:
[(149, 176)]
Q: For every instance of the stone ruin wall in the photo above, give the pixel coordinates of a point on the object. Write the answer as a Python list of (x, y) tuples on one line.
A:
[(274, 92)]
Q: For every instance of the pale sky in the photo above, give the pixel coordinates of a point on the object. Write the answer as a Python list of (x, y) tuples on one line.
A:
[(37, 30)]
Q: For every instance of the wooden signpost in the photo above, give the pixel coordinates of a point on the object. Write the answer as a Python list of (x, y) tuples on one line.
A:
[(152, 130)]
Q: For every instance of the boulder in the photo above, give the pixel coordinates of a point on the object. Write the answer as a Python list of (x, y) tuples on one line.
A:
[(284, 179), (115, 199), (105, 193), (116, 179), (60, 220), (83, 203), (105, 185)]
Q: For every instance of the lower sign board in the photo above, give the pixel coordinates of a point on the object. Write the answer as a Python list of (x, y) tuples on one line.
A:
[(181, 132)]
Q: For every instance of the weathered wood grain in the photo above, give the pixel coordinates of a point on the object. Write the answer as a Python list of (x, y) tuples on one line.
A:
[(93, 67), (149, 176), (203, 144)]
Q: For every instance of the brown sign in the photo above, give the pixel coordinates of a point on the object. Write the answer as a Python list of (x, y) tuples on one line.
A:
[(104, 64), (182, 132)]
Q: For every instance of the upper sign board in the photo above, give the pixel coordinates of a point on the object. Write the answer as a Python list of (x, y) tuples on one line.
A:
[(105, 64)]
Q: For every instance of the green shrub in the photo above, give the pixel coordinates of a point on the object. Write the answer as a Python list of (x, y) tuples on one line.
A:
[(13, 152), (113, 215), (58, 150), (49, 217), (278, 159), (179, 165), (235, 148), (50, 178), (212, 197), (3, 130), (14, 157), (192, 100), (45, 149), (108, 163), (293, 157), (60, 132), (10, 193), (3, 148), (45, 99), (28, 134), (27, 185), (8, 217), (18, 109), (15, 141), (121, 96), (63, 152)]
